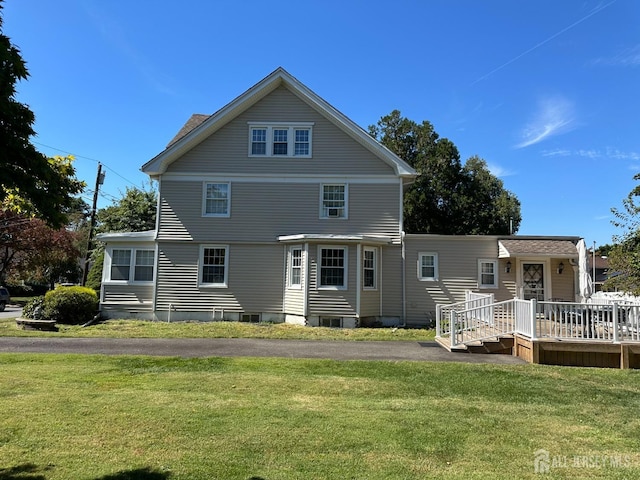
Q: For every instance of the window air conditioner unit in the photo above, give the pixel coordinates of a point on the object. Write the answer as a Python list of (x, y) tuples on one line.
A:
[(334, 212)]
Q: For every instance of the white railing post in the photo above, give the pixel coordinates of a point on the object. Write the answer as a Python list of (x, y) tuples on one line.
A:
[(616, 323), (438, 326), (452, 327), (534, 314)]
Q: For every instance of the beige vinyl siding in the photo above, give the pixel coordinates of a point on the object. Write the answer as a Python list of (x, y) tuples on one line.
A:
[(337, 303), (294, 297), (128, 297), (457, 272), (255, 276), (260, 212), (563, 284), (333, 151), (391, 282), (370, 303)]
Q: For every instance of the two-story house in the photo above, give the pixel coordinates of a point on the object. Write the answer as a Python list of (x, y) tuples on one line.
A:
[(279, 208)]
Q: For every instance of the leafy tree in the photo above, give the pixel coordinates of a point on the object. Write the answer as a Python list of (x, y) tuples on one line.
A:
[(624, 256), (31, 250), (134, 212), (447, 197), (34, 183)]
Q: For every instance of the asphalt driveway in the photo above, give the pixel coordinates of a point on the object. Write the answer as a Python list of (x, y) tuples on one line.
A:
[(246, 347)]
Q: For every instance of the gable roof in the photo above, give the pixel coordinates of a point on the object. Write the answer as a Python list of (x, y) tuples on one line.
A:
[(200, 127), (538, 247), (194, 121)]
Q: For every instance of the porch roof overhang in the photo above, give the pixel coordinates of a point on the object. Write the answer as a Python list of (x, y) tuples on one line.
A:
[(537, 248), (331, 238), (147, 236)]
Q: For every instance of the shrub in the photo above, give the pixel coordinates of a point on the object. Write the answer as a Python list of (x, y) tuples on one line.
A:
[(34, 308), (71, 305)]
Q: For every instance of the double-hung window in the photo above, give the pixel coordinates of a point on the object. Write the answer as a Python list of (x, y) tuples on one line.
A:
[(369, 268), (131, 265), (333, 268), (120, 264), (427, 266), (216, 199), (280, 139), (214, 265), (487, 273), (333, 201), (295, 267)]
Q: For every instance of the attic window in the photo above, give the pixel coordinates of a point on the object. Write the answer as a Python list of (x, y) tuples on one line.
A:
[(280, 140)]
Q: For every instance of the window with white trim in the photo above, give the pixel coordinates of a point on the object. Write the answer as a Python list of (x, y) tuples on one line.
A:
[(214, 265), (369, 258), (428, 266), (216, 199), (295, 267), (487, 273), (332, 270), (143, 269), (131, 265), (280, 140), (333, 201)]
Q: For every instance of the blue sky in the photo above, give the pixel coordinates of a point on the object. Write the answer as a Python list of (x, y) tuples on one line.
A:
[(546, 91)]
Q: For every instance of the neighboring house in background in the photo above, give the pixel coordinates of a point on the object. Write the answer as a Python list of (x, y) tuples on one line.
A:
[(279, 208), (601, 270)]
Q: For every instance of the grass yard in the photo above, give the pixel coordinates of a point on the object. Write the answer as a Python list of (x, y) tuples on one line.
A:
[(117, 418), (146, 329)]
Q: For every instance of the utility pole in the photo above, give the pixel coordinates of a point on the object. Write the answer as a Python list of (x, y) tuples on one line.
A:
[(99, 181)]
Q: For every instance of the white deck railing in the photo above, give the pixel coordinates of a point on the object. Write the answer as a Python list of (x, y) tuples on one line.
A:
[(479, 318)]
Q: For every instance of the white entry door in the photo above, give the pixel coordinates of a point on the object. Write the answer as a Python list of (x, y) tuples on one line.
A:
[(533, 281)]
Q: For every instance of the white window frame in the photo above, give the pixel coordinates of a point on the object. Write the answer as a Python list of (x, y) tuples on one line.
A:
[(291, 129), (204, 200), (373, 268), (494, 263), (201, 266), (293, 267), (433, 278), (326, 212), (133, 255), (345, 264)]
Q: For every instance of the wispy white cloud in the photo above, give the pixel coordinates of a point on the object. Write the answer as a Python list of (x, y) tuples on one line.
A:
[(557, 152), (593, 154), (553, 117), (499, 171), (628, 57)]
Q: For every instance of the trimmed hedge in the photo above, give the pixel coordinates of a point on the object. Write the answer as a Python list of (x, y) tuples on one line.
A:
[(70, 305), (34, 308)]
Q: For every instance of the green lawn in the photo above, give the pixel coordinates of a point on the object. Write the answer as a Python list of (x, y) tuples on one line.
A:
[(116, 418), (145, 329)]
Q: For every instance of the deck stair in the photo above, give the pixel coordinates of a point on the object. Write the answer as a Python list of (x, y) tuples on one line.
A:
[(502, 344)]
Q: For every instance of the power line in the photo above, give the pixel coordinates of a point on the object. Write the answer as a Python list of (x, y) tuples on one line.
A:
[(86, 158)]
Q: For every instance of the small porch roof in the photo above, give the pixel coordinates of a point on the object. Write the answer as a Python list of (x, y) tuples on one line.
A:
[(148, 236), (541, 248), (327, 237)]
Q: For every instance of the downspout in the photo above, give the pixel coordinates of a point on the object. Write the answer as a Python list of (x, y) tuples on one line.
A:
[(404, 265), (154, 301), (404, 289)]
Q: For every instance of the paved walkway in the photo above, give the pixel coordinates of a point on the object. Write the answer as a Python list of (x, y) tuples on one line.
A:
[(247, 347)]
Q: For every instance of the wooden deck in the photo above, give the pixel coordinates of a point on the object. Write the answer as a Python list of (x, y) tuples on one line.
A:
[(548, 351)]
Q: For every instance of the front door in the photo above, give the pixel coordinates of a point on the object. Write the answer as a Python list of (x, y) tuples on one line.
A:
[(533, 281)]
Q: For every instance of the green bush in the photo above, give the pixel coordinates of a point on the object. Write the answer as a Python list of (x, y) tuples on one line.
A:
[(34, 308), (70, 305)]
